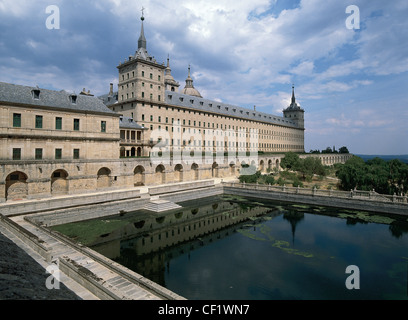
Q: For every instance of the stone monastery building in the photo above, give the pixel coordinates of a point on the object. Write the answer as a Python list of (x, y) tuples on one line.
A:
[(56, 143), (148, 94)]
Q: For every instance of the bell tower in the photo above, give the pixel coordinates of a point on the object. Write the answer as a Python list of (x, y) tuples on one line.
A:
[(141, 77), (294, 112)]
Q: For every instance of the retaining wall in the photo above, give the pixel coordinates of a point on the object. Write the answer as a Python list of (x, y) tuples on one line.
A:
[(28, 238), (349, 203), (10, 209)]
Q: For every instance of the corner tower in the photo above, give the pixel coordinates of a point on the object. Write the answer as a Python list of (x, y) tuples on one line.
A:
[(141, 78), (294, 112)]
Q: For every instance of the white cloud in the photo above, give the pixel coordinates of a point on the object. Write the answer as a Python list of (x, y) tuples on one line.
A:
[(304, 68)]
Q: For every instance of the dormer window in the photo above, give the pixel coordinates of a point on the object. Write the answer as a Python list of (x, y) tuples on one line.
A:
[(73, 99), (191, 101), (36, 94), (181, 99)]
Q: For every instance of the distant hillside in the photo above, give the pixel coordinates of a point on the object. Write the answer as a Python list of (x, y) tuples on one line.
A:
[(403, 158)]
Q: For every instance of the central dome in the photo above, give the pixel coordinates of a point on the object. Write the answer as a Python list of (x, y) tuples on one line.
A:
[(189, 88)]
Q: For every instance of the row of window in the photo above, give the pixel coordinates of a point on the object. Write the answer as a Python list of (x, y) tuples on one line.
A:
[(38, 154), (143, 75), (214, 143), (143, 96), (279, 135), (58, 122), (143, 85), (226, 117), (216, 126)]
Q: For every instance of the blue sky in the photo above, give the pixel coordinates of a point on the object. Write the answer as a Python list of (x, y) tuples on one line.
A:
[(352, 83)]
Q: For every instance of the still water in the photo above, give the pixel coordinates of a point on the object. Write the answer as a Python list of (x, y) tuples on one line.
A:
[(230, 247)]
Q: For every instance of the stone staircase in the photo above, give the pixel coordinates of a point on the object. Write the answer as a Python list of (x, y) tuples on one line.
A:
[(158, 205)]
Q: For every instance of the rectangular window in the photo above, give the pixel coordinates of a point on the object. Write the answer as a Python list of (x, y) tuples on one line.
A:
[(38, 122), (16, 120), (58, 123), (151, 118), (16, 154), (38, 154), (76, 153), (103, 126), (76, 124), (58, 154)]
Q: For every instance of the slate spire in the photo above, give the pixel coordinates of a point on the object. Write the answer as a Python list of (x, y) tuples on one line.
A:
[(142, 38)]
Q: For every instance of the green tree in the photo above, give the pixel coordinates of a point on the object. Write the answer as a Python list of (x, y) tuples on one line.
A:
[(327, 150), (291, 161), (351, 173), (343, 150), (311, 166)]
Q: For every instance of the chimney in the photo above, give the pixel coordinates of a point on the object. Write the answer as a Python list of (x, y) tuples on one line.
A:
[(111, 89)]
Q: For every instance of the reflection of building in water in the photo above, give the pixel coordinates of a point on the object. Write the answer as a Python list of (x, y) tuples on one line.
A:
[(204, 224), (146, 254)]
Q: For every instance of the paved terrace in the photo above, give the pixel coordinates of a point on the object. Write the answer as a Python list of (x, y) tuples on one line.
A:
[(26, 250)]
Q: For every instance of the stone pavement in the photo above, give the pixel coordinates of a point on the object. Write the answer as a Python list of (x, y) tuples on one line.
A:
[(22, 277)]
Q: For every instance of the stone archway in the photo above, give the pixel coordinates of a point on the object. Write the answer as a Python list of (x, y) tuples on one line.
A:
[(59, 182), (139, 152), (194, 168), (178, 173), (139, 176), (261, 166), (270, 164), (16, 186), (160, 174), (104, 179)]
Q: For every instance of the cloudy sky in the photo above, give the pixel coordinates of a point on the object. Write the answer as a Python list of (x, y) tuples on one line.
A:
[(352, 82)]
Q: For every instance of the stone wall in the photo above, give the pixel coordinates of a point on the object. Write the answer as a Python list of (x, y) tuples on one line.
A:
[(20, 180), (349, 203)]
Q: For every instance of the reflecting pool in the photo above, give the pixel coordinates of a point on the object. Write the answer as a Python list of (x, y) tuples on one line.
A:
[(230, 247)]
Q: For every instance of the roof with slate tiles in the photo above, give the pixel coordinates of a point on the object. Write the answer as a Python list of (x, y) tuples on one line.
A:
[(205, 105), (59, 100), (128, 123)]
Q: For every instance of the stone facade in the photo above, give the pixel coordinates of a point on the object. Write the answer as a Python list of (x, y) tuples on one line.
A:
[(148, 94)]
